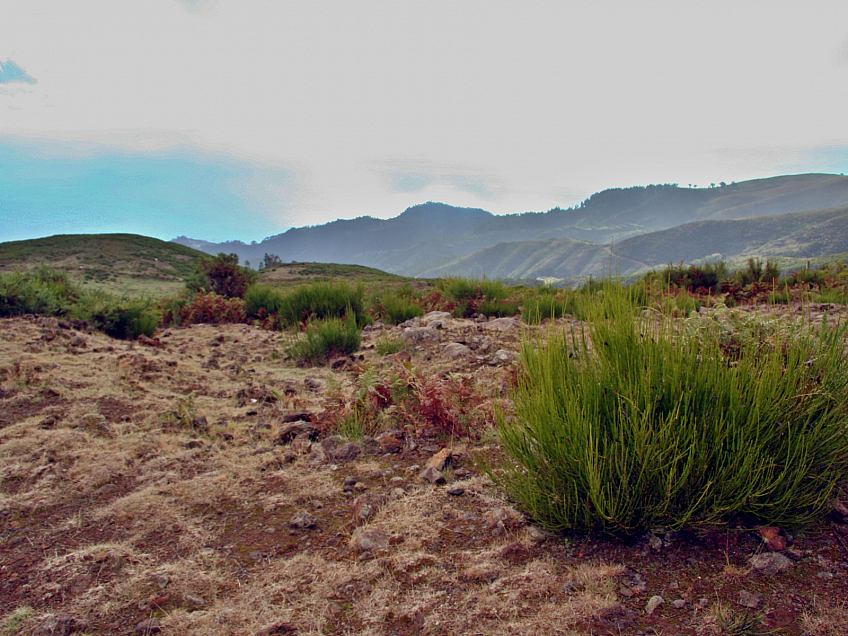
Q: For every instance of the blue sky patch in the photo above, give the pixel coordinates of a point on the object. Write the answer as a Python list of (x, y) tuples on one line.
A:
[(11, 72)]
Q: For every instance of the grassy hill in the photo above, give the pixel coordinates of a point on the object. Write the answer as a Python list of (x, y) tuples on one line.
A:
[(121, 263)]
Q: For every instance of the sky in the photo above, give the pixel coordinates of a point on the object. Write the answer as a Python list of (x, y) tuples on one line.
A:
[(237, 119)]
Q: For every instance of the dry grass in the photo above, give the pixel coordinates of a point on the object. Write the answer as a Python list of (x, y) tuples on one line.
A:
[(117, 504)]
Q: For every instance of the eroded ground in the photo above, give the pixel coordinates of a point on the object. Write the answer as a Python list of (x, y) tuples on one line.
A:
[(163, 486)]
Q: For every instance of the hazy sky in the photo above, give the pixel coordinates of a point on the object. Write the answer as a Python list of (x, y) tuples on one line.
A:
[(239, 118)]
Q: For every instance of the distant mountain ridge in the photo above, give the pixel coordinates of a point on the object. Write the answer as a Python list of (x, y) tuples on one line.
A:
[(437, 239)]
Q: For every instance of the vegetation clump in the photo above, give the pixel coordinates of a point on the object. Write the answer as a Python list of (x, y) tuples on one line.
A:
[(643, 422), (325, 339)]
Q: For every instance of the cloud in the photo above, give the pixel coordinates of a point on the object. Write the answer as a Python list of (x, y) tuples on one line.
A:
[(11, 73)]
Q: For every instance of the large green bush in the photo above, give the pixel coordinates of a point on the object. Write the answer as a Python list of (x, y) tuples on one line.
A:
[(318, 300), (644, 421), (324, 339)]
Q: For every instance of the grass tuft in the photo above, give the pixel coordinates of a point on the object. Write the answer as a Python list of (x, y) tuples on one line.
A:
[(646, 421)]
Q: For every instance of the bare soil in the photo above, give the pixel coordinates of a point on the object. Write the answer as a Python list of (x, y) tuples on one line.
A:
[(145, 481)]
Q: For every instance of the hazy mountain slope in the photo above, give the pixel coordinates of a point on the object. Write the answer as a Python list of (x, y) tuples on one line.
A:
[(559, 257), (805, 234), (432, 236), (801, 234)]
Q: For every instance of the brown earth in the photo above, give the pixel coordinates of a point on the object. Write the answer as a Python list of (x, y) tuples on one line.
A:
[(195, 483)]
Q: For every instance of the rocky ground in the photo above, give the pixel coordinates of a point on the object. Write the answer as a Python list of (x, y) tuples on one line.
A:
[(192, 484)]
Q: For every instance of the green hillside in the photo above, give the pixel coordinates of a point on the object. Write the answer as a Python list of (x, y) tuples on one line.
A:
[(121, 263)]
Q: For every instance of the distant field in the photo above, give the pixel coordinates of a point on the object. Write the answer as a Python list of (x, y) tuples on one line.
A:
[(293, 274)]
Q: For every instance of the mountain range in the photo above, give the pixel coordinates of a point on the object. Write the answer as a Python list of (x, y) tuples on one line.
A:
[(631, 229)]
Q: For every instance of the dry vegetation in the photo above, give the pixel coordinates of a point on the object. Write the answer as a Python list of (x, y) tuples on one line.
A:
[(144, 481)]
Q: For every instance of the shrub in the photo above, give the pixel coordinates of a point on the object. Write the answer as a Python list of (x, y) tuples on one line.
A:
[(539, 307), (125, 318), (387, 346), (44, 291), (210, 308), (641, 423), (222, 275), (477, 296), (395, 306), (319, 301), (326, 339)]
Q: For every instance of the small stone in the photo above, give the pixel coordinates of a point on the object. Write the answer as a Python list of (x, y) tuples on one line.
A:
[(655, 542), (749, 600), (191, 444), (162, 580), (312, 383), (366, 506), (432, 475), (369, 539), (294, 429), (54, 625), (503, 356), (653, 603), (346, 452), (420, 335), (456, 492), (303, 521), (197, 601), (515, 553), (150, 626), (440, 459), (390, 444), (455, 350), (678, 603), (771, 537), (770, 563)]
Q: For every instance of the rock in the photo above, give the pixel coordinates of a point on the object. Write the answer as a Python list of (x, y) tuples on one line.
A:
[(432, 475), (312, 384), (78, 341), (571, 586), (633, 583), (389, 444), (346, 452), (420, 335), (455, 350), (839, 512), (197, 601), (303, 521), (771, 537), (502, 324), (150, 626), (162, 580), (366, 506), (749, 600), (54, 625), (191, 444), (770, 563), (480, 343), (369, 539), (653, 603), (432, 316), (503, 356), (679, 603), (412, 322), (440, 459), (655, 542), (456, 492), (278, 629)]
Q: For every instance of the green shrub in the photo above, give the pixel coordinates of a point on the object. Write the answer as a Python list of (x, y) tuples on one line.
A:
[(387, 346), (471, 296), (119, 318), (646, 421), (44, 291), (395, 306), (325, 339), (319, 301), (222, 275)]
